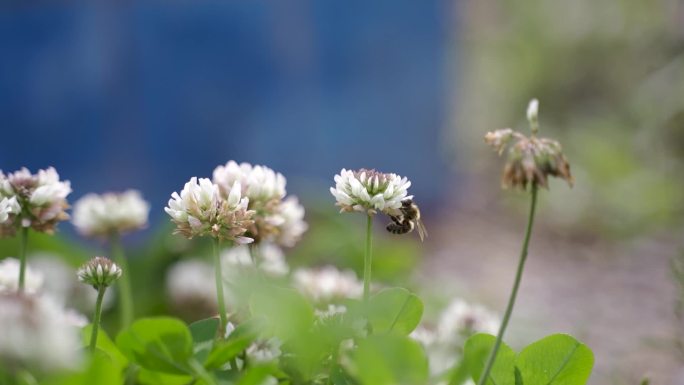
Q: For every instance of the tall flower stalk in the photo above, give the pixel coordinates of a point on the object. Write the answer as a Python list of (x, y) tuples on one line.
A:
[(126, 310), (218, 276), (23, 243), (368, 258), (530, 162)]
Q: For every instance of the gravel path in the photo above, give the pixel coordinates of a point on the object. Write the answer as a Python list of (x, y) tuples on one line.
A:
[(616, 297)]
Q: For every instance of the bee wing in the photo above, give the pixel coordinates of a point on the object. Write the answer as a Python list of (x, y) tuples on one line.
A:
[(422, 231)]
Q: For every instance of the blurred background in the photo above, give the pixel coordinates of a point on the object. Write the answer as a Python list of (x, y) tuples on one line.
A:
[(145, 94)]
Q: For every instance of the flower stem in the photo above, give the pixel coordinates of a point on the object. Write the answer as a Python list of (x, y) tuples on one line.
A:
[(218, 275), (516, 284), (125, 293), (23, 241), (96, 318), (368, 259)]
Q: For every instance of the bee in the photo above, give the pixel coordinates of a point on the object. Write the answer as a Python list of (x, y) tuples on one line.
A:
[(407, 220)]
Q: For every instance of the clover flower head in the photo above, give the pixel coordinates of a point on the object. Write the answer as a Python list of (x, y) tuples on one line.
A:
[(370, 191), (327, 284), (269, 259), (104, 214), (258, 183), (99, 272), (530, 160), (263, 351), (36, 332), (9, 277), (277, 219), (200, 210), (40, 200), (188, 288), (461, 319)]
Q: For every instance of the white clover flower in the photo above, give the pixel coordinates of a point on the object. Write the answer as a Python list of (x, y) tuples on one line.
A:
[(102, 215), (8, 206), (99, 272), (277, 219), (189, 283), (461, 319), (370, 191), (35, 332), (293, 226), (331, 311), (200, 210), (9, 277), (270, 259), (41, 199), (259, 183), (264, 350), (327, 283)]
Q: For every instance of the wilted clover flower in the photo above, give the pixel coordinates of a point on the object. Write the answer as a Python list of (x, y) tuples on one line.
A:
[(370, 191), (276, 219), (531, 160), (102, 215), (327, 283), (40, 200), (37, 333), (99, 272), (201, 210)]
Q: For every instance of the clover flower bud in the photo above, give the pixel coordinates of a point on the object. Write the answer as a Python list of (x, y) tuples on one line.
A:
[(99, 272), (533, 115)]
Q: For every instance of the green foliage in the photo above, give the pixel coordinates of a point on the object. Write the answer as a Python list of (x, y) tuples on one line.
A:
[(394, 310), (226, 350), (558, 359), (555, 360), (204, 333), (99, 370), (159, 344), (389, 359), (106, 346)]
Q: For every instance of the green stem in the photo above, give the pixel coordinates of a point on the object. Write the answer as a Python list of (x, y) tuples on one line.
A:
[(219, 286), (23, 241), (96, 318), (516, 284), (125, 292), (368, 259)]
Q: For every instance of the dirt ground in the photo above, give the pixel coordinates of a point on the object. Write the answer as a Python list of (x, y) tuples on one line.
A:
[(616, 296)]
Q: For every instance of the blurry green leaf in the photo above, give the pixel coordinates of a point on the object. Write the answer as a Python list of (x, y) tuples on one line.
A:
[(238, 340), (204, 333), (555, 360), (255, 375), (475, 355), (395, 309), (389, 359), (106, 345), (99, 370), (285, 312), (159, 344), (148, 377)]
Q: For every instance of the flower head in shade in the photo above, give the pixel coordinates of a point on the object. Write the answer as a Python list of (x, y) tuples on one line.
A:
[(9, 277), (99, 272), (201, 210), (36, 332), (264, 350), (102, 215), (277, 219), (531, 160), (269, 259), (370, 191), (40, 200), (190, 291), (462, 319), (327, 283)]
